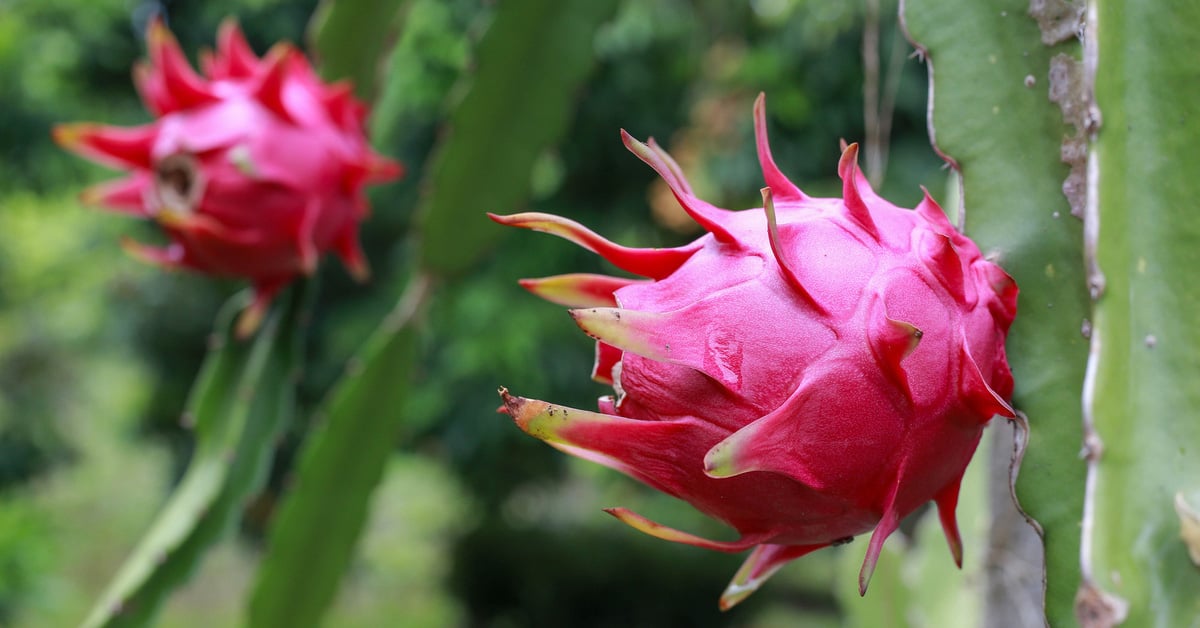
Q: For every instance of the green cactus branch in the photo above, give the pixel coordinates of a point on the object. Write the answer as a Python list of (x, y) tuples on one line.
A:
[(371, 24), (496, 133), (532, 62), (317, 529), (241, 401), (1141, 397), (991, 117)]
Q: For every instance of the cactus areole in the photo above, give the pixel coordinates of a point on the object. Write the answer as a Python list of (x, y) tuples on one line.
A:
[(253, 170), (805, 372)]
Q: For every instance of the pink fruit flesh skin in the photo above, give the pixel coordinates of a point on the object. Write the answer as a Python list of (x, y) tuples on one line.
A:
[(806, 372)]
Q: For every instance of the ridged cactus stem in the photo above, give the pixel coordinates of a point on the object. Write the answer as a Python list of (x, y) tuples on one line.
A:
[(1142, 433), (992, 117)]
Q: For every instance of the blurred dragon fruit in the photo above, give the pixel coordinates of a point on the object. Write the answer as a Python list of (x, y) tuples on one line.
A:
[(253, 171), (805, 373)]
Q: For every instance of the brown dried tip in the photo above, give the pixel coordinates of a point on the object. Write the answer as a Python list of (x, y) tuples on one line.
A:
[(1095, 608), (1189, 527), (250, 320), (506, 399)]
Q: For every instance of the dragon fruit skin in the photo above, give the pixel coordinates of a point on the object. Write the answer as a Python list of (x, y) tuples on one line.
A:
[(805, 373), (253, 170)]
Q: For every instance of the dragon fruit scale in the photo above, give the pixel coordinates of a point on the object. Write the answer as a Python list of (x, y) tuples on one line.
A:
[(253, 169), (806, 372)]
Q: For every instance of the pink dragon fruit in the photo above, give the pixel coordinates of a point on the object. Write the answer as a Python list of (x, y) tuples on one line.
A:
[(805, 373), (253, 171)]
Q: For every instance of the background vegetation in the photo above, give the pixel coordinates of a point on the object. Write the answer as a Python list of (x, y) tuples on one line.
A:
[(475, 523)]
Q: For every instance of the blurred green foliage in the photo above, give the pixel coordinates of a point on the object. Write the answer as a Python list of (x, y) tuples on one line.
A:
[(475, 524)]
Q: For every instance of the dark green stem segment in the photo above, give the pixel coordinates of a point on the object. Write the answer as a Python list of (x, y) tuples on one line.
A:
[(317, 528), (351, 39), (991, 117), (531, 64), (240, 404), (532, 60)]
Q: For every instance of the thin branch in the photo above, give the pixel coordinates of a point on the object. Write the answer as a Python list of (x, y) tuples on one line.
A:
[(870, 58)]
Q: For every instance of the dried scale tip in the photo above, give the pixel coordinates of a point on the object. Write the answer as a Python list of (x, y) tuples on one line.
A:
[(254, 169), (807, 373), (578, 289)]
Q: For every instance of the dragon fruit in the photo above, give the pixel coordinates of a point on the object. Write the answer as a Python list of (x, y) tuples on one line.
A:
[(805, 372), (253, 170)]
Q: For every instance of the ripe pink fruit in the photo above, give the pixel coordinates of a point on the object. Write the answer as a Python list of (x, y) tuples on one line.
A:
[(804, 373), (253, 171)]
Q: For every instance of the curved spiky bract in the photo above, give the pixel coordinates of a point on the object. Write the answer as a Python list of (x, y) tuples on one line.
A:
[(652, 263), (705, 215), (578, 289), (781, 254), (762, 563), (666, 533), (781, 187), (254, 168), (807, 372)]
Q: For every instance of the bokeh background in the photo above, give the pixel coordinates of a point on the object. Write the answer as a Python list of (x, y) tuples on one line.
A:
[(475, 524)]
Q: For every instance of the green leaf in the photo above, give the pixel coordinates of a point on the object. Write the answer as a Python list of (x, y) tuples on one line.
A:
[(351, 39), (241, 401), (990, 114), (312, 541), (531, 63), (1144, 229)]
